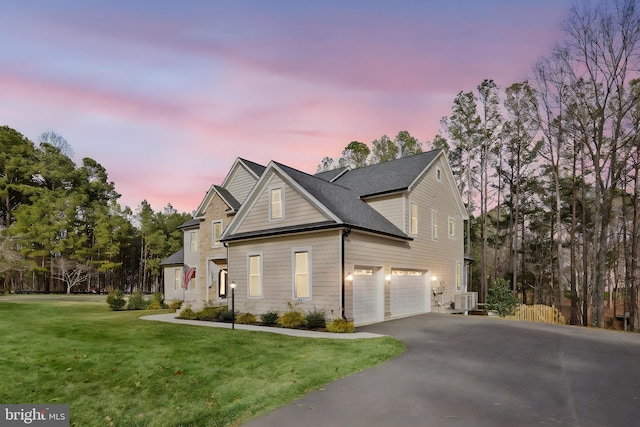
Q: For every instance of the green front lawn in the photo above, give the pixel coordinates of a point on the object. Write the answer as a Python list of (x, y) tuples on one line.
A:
[(114, 369)]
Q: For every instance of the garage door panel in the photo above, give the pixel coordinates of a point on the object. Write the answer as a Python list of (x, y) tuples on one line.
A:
[(409, 294), (366, 299)]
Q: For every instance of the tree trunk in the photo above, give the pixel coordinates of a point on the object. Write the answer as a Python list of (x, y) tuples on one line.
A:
[(634, 310)]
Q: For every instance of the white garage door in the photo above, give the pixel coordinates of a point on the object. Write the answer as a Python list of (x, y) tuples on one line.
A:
[(368, 297), (409, 293)]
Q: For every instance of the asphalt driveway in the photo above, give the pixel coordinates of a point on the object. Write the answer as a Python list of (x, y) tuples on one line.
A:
[(478, 371)]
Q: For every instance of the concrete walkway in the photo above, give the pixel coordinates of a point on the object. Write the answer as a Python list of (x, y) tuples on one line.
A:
[(173, 318)]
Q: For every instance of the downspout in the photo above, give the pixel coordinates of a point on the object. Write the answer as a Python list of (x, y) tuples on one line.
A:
[(345, 234)]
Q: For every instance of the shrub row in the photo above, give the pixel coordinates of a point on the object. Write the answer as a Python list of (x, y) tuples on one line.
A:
[(117, 302), (291, 319)]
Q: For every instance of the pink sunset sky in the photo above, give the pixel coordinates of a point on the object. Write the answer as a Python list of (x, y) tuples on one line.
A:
[(166, 94)]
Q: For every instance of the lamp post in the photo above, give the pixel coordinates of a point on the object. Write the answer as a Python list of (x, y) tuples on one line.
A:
[(233, 305)]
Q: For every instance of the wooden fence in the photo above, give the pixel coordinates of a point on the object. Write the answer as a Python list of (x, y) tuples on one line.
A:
[(538, 313)]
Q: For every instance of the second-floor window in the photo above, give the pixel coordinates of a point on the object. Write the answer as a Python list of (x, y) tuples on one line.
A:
[(276, 203), (434, 224), (193, 241), (216, 233), (452, 227), (414, 219)]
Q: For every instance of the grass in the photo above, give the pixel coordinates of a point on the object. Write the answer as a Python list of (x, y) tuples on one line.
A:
[(116, 370)]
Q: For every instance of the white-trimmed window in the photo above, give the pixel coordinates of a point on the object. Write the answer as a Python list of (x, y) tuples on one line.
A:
[(452, 227), (414, 219), (275, 206), (434, 224), (178, 273), (438, 174), (301, 274), (459, 276), (193, 241), (255, 276), (216, 232)]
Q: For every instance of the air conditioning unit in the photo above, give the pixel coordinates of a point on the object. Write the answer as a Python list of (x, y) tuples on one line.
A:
[(465, 301)]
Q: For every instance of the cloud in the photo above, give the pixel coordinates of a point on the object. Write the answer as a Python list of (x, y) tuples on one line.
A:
[(166, 95)]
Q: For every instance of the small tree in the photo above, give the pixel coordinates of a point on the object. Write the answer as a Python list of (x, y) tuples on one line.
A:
[(72, 272), (116, 300), (500, 298)]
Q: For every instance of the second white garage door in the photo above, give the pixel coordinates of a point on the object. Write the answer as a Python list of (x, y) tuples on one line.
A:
[(409, 293)]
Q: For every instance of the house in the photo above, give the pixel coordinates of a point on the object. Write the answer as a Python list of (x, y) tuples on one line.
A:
[(370, 244)]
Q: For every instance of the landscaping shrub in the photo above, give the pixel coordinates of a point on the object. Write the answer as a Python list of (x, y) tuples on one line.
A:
[(500, 298), (175, 304), (270, 317), (159, 298), (291, 319), (246, 318), (188, 314), (209, 313), (341, 326), (225, 315), (315, 319), (137, 302), (115, 299), (155, 305)]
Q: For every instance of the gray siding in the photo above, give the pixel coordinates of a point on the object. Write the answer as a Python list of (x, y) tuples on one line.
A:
[(277, 280), (296, 209), (392, 207), (241, 181)]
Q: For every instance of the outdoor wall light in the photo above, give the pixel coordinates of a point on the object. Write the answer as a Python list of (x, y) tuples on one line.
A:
[(233, 304), (349, 277), (387, 277), (434, 278)]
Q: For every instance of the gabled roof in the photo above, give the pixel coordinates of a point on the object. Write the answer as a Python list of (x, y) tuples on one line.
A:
[(388, 177), (224, 194), (344, 204), (227, 197), (333, 174), (254, 168), (174, 259), (190, 223), (341, 206)]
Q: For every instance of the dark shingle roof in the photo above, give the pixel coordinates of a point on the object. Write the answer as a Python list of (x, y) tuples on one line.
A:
[(173, 259), (387, 177), (193, 222), (330, 175), (344, 204), (227, 197), (255, 168)]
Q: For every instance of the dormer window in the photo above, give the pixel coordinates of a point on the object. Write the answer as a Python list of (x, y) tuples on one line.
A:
[(276, 203)]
